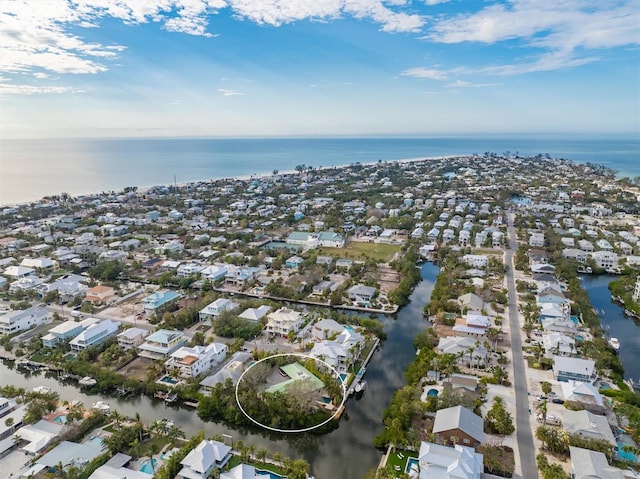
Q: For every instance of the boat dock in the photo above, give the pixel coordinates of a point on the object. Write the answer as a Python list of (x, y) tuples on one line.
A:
[(363, 368)]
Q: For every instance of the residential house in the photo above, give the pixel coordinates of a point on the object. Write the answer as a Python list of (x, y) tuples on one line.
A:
[(66, 331), (214, 273), (558, 344), (443, 462), (471, 302), (472, 325), (466, 348), (536, 240), (255, 314), (605, 259), (588, 464), (214, 309), (575, 254), (193, 361), (588, 425), (583, 395), (201, 461), (115, 468), (326, 329), (242, 471), (232, 371), (574, 369), (361, 293), (131, 338), (294, 262), (22, 320), (283, 321), (476, 260), (158, 301), (240, 276), (189, 269), (458, 425), (161, 344), (70, 454), (463, 383), (100, 294), (95, 335)]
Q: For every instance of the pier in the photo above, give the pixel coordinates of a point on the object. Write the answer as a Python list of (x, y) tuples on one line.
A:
[(363, 368)]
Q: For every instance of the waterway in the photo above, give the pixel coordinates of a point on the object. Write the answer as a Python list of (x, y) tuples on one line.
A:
[(346, 452), (615, 323)]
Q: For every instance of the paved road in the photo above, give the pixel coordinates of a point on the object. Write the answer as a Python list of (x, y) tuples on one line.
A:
[(523, 427)]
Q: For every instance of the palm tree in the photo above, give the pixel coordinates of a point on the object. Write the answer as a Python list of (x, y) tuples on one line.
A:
[(277, 457), (135, 448), (153, 450), (174, 433), (140, 426), (117, 418), (262, 454), (542, 408), (252, 450)]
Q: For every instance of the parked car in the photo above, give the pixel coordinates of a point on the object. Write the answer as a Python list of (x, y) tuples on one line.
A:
[(541, 398), (557, 401)]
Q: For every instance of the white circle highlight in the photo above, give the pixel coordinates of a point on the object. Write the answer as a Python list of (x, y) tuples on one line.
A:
[(306, 429)]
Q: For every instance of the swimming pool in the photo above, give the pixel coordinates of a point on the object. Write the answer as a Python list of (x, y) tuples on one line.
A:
[(168, 380), (98, 441), (62, 419), (147, 467), (575, 319), (267, 474), (410, 461), (432, 392)]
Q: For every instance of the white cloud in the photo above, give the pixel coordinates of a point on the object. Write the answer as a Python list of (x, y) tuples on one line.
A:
[(226, 92), (562, 29), (7, 89), (468, 84), (429, 73), (435, 2)]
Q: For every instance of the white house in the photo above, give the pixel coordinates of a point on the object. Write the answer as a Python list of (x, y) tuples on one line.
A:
[(443, 462), (282, 321), (131, 338), (255, 314), (574, 369), (191, 362), (476, 260), (201, 461), (214, 309), (95, 335), (605, 259), (161, 343), (21, 320), (361, 293)]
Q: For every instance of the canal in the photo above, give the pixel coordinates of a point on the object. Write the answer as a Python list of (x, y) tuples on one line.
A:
[(346, 452), (615, 323)]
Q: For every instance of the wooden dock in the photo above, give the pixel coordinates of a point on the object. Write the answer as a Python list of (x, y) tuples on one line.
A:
[(363, 368)]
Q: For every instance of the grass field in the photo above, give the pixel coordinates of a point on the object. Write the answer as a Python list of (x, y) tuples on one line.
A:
[(358, 250)]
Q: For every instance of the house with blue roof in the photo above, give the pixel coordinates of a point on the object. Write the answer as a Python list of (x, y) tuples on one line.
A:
[(161, 344), (158, 301)]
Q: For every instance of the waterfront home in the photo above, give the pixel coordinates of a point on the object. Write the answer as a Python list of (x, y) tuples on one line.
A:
[(463, 383), (70, 454), (232, 370), (242, 471), (361, 293), (214, 273), (588, 425), (443, 462), (66, 331), (161, 344), (471, 302), (460, 423), (325, 329), (38, 435), (559, 325), (22, 320), (283, 321), (558, 344), (203, 459), (115, 468), (189, 269), (332, 353), (574, 369), (192, 361), (240, 276), (156, 302), (472, 325), (588, 464), (100, 294), (296, 372), (605, 259), (468, 349), (95, 335), (255, 314), (214, 309), (131, 338), (582, 395), (575, 254)]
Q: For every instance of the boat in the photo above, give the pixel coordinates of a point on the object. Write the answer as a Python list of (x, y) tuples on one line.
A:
[(41, 390), (87, 381), (170, 397), (615, 344), (101, 406), (361, 386)]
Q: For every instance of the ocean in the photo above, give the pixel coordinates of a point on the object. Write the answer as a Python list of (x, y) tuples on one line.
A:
[(31, 169)]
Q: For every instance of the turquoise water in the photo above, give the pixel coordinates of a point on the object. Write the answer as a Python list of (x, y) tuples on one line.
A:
[(168, 380), (411, 460), (98, 441), (268, 474), (60, 419), (575, 319), (432, 392), (35, 168), (147, 468)]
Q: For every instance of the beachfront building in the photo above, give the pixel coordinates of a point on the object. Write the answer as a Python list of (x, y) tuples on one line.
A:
[(161, 344), (22, 320), (156, 302), (190, 362), (283, 321), (95, 335), (201, 461), (66, 331), (131, 338), (443, 462), (214, 309)]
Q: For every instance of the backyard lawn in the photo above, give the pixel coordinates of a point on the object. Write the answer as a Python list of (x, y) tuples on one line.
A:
[(357, 250), (399, 458)]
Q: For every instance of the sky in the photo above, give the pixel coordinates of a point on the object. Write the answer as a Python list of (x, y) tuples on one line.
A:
[(175, 68)]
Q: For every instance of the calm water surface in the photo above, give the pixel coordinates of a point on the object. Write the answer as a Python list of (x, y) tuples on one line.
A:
[(31, 169), (616, 323), (345, 453)]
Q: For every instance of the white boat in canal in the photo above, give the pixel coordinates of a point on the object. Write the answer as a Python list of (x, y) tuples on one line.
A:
[(41, 389), (87, 381), (101, 406), (361, 386), (615, 344)]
